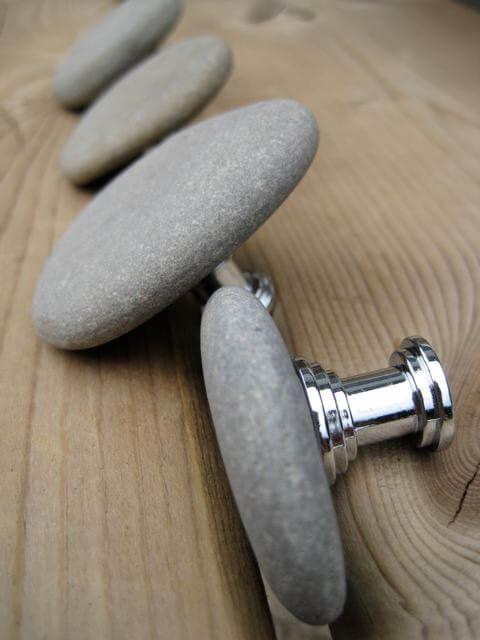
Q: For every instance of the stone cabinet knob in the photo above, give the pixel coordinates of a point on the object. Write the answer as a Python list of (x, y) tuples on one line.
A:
[(276, 421), (155, 97), (170, 219), (123, 37)]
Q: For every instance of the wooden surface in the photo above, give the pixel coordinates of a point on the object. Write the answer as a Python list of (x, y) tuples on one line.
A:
[(115, 517)]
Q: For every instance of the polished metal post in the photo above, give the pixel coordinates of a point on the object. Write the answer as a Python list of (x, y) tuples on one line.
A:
[(411, 397), (382, 405), (228, 274)]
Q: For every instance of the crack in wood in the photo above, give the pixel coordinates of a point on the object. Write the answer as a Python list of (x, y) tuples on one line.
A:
[(464, 495)]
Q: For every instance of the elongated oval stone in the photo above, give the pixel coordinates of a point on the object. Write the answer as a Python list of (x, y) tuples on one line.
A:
[(164, 223), (154, 97), (271, 456), (122, 38)]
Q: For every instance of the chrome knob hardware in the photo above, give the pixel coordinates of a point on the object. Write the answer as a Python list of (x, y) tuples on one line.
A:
[(410, 397), (268, 426), (228, 274)]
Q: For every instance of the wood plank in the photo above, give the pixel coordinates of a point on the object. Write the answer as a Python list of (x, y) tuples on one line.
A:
[(115, 516)]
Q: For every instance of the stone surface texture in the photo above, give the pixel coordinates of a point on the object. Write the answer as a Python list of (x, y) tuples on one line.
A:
[(271, 456), (164, 223), (126, 34), (150, 100)]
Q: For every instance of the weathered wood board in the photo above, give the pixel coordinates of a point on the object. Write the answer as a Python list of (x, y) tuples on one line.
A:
[(115, 517)]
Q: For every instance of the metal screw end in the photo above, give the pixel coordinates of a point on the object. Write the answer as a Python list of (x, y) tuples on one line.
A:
[(262, 287), (228, 274)]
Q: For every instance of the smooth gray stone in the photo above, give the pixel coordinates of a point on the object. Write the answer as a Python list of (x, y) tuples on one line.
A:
[(142, 106), (123, 37), (271, 456), (169, 219)]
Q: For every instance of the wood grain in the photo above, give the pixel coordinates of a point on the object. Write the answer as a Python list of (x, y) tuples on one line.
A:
[(115, 517)]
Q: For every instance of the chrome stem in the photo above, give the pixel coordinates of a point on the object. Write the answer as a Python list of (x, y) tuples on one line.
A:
[(227, 273)]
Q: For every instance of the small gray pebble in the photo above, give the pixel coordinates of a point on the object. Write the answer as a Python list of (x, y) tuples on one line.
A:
[(142, 106), (122, 38), (271, 456), (169, 219)]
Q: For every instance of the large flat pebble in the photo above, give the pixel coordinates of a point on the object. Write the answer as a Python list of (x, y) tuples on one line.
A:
[(151, 99), (123, 37), (271, 456), (165, 222)]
